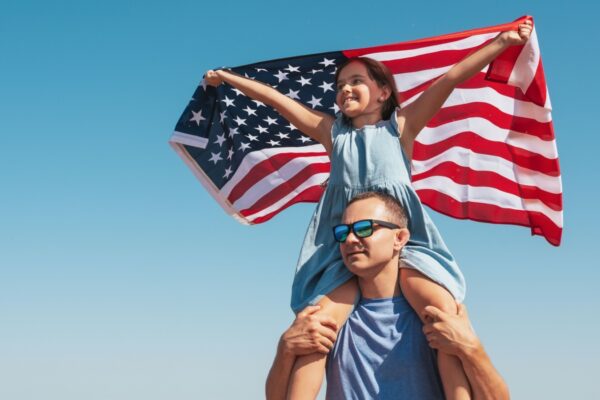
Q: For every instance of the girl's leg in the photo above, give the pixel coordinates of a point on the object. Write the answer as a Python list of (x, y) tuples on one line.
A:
[(309, 370), (420, 292)]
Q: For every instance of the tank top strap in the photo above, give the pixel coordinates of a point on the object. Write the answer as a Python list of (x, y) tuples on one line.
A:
[(339, 126), (394, 123)]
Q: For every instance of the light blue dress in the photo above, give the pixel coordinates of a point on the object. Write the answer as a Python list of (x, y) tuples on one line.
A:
[(366, 159)]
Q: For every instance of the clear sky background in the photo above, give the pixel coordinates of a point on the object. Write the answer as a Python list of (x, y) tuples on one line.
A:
[(121, 278)]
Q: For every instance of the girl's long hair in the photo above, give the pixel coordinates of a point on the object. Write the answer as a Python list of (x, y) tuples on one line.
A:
[(382, 76)]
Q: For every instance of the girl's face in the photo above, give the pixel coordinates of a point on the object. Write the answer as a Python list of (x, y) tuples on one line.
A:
[(358, 94)]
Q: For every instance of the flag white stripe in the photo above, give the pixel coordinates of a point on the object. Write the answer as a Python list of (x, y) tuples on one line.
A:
[(255, 157), (188, 140), (487, 195), (314, 180), (461, 44), (274, 180), (526, 65), (489, 131), (483, 162)]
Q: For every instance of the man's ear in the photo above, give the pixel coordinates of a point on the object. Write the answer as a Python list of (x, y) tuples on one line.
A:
[(402, 236)]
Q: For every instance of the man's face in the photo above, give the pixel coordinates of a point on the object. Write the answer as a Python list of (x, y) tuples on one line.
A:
[(364, 256)]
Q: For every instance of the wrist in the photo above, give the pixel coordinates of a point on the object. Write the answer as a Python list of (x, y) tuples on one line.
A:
[(472, 352), (284, 347)]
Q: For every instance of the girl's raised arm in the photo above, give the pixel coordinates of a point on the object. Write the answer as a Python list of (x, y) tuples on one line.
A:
[(313, 123), (416, 115)]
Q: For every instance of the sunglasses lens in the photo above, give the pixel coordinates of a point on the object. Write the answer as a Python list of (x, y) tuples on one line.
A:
[(340, 233), (363, 228)]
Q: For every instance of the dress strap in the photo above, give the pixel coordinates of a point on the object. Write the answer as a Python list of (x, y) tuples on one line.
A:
[(394, 122)]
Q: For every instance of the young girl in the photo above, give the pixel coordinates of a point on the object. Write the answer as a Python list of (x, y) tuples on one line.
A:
[(370, 147)]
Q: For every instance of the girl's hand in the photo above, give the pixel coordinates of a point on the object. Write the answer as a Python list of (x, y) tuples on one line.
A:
[(212, 78), (519, 36)]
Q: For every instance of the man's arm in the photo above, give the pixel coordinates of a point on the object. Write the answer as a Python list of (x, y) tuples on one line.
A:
[(453, 334), (309, 333)]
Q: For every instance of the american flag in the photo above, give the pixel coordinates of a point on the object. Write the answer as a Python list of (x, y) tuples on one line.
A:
[(488, 155)]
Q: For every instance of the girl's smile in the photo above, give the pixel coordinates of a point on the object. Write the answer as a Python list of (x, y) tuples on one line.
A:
[(358, 96)]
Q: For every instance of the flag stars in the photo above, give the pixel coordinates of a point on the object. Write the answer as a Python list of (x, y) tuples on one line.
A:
[(270, 120), (233, 132), (326, 62), (304, 139), (197, 117), (281, 76), (327, 86), (244, 146), (304, 81), (223, 116), (237, 91), (216, 157), (228, 172), (258, 103), (293, 94), (335, 108), (228, 102), (261, 129), (252, 138), (240, 121), (230, 154), (250, 111), (260, 69), (273, 143), (315, 102), (291, 126), (283, 135), (314, 71), (292, 69), (220, 139)]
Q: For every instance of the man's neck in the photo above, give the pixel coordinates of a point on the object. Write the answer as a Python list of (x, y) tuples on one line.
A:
[(381, 284)]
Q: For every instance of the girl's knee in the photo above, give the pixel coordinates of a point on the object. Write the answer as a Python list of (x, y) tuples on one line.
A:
[(421, 292), (340, 301)]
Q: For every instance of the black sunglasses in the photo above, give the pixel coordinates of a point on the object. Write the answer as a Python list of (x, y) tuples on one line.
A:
[(362, 229)]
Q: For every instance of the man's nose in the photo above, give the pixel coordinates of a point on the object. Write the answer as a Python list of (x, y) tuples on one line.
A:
[(352, 238)]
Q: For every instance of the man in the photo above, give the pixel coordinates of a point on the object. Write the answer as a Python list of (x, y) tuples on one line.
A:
[(381, 352)]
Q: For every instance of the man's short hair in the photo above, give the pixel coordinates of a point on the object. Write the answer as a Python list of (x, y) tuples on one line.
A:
[(392, 205)]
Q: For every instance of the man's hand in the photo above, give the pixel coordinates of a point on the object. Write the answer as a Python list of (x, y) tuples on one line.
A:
[(451, 334), (309, 333)]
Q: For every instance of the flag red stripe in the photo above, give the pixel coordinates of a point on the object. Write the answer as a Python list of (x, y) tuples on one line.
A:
[(310, 195), (543, 130), (479, 81), (421, 62), (435, 40), (478, 144), (285, 188), (466, 176), (537, 88), (538, 222), (264, 168)]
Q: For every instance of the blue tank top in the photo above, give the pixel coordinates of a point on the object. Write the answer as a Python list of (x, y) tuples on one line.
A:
[(382, 353)]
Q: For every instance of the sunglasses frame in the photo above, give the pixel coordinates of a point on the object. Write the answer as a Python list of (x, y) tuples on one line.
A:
[(373, 222)]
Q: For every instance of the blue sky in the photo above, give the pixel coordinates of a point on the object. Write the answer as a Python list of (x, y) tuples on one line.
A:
[(121, 278)]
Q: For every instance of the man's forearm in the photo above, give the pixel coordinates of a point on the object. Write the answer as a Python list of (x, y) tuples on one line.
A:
[(279, 375), (486, 382)]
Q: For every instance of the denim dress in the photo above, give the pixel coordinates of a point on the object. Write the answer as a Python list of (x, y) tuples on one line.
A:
[(368, 159)]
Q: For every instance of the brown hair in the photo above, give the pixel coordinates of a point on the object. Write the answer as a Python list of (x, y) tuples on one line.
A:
[(382, 76), (392, 205)]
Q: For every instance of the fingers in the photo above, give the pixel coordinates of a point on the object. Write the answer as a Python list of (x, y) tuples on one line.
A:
[(462, 311), (308, 310), (432, 313), (328, 321)]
